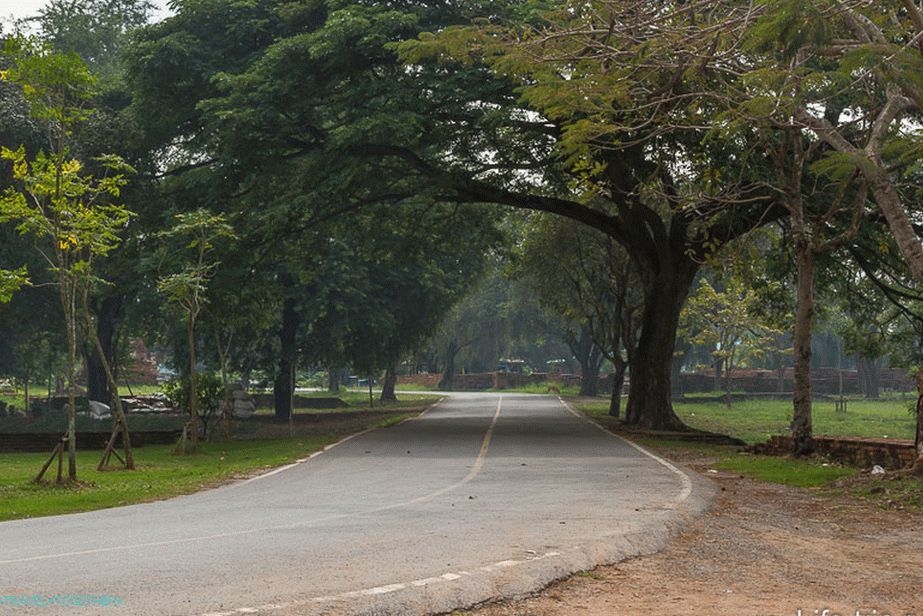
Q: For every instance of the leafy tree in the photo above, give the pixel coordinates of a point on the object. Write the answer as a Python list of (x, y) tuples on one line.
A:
[(726, 321), (70, 213), (584, 88), (187, 288), (96, 30), (586, 277), (210, 397)]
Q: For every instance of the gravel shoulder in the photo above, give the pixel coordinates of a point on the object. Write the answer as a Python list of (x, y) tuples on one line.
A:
[(764, 549)]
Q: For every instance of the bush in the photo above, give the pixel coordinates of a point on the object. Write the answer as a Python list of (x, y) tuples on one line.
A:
[(210, 390)]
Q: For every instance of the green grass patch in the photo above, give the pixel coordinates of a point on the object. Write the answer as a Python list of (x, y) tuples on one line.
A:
[(414, 387), (787, 471), (756, 420), (807, 473), (139, 390), (160, 474)]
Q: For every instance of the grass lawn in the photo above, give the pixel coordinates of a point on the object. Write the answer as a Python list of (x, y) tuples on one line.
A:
[(413, 387), (756, 420), (866, 418), (160, 474)]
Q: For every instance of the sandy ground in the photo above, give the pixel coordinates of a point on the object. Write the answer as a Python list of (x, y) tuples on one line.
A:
[(764, 550)]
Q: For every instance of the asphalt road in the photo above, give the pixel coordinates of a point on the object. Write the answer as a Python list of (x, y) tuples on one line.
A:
[(483, 496)]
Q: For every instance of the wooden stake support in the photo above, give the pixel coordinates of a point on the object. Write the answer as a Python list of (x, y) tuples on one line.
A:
[(57, 452), (111, 449)]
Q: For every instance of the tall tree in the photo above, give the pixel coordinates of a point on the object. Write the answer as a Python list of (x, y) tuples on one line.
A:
[(69, 212)]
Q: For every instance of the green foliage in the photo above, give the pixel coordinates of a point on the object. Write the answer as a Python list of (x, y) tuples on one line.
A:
[(210, 391), (59, 203), (95, 30), (728, 321), (10, 282), (56, 85), (198, 232)]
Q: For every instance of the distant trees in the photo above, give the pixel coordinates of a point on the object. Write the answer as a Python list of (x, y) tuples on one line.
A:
[(586, 278)]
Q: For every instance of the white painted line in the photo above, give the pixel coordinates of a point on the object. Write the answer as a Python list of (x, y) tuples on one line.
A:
[(685, 481), (380, 590)]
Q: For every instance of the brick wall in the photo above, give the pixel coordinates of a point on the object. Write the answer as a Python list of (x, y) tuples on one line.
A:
[(888, 453)]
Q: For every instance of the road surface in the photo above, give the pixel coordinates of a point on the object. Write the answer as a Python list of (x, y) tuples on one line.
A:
[(485, 495)]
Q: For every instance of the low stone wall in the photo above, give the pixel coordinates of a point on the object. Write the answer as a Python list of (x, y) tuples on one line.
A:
[(862, 452), (823, 380), (45, 441)]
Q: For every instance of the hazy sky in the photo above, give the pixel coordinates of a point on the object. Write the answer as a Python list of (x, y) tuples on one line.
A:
[(27, 8)]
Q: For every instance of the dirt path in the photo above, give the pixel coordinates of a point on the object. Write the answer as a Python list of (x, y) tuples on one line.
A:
[(764, 550)]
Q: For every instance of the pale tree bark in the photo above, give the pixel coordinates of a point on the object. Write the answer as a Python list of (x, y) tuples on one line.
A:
[(808, 233), (882, 187)]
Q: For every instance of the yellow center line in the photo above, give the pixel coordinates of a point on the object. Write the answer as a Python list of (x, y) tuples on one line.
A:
[(478, 463)]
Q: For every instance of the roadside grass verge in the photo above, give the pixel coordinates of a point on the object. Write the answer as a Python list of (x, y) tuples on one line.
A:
[(890, 491), (808, 473), (160, 474), (414, 387), (754, 421)]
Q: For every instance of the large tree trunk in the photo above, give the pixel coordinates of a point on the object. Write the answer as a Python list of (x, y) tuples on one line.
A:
[(284, 384), (676, 367), (110, 310), (333, 380), (387, 387), (649, 399), (111, 385), (618, 381), (802, 423), (874, 376), (447, 382), (589, 373)]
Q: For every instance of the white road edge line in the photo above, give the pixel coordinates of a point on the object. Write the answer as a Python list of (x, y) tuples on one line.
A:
[(686, 482), (381, 590)]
